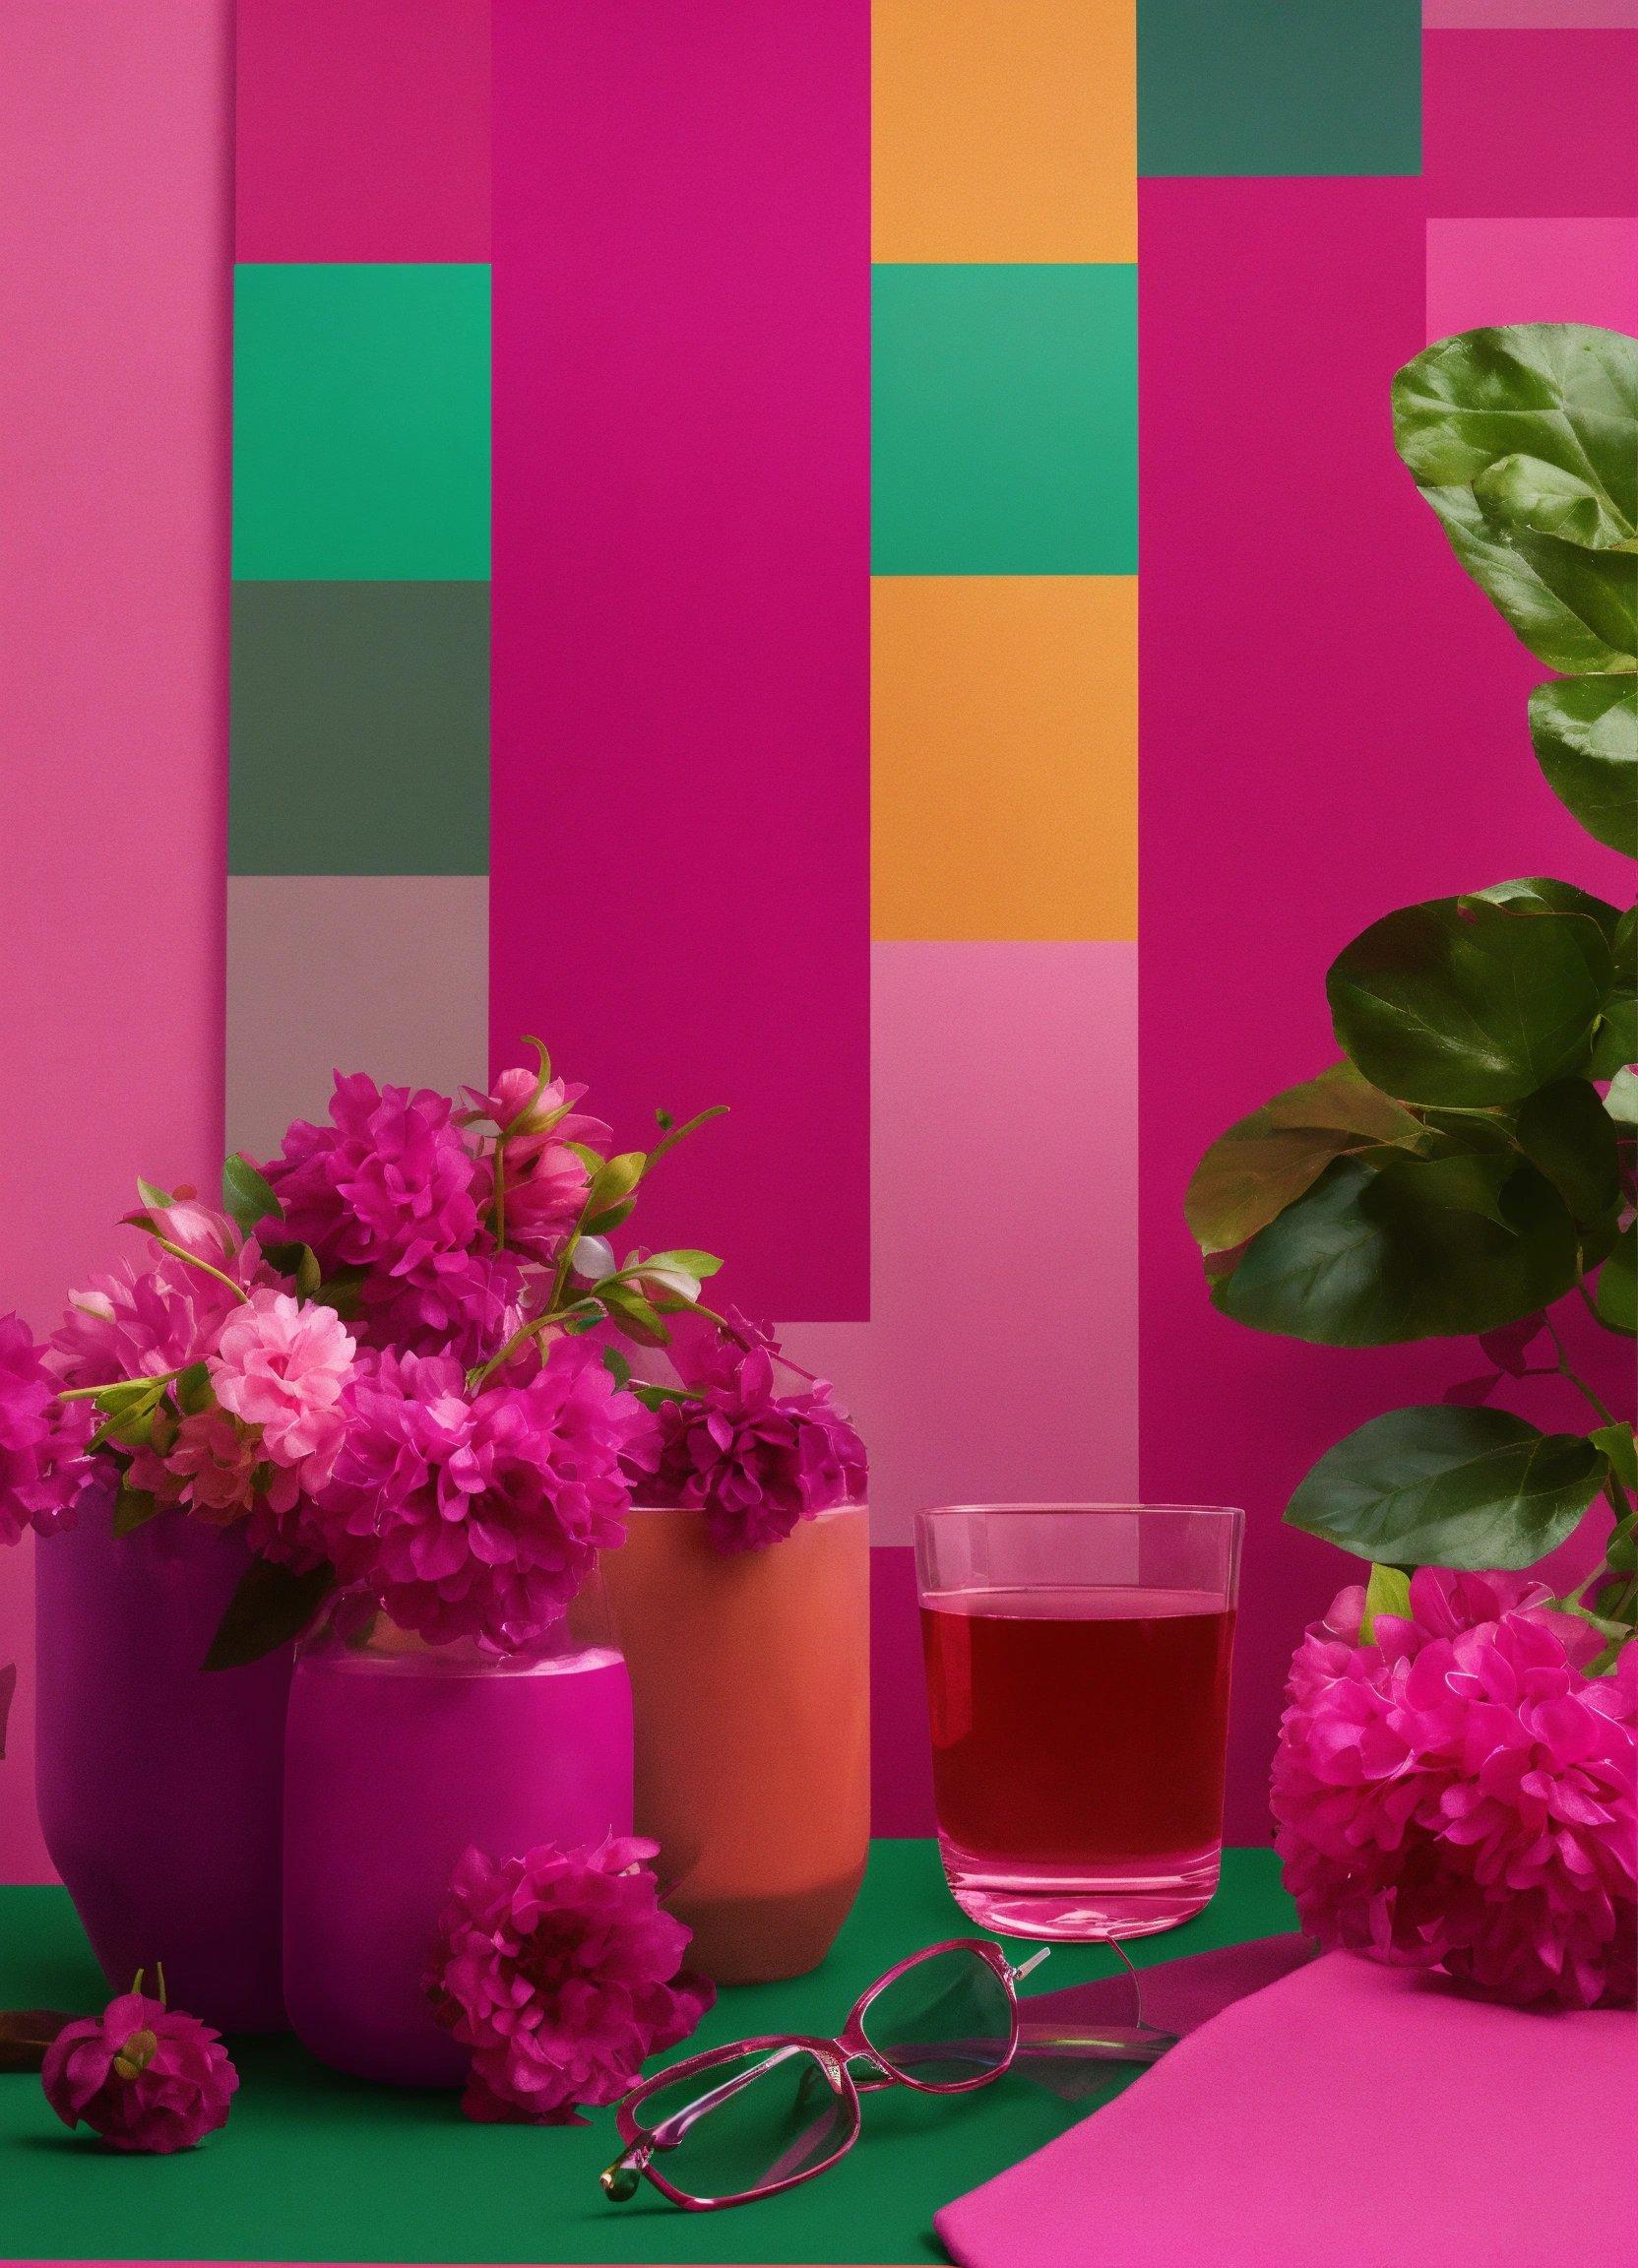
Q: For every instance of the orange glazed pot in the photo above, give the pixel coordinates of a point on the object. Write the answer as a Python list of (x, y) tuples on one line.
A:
[(750, 1671)]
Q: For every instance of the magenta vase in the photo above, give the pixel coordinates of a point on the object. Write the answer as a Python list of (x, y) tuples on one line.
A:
[(399, 1756), (160, 1784)]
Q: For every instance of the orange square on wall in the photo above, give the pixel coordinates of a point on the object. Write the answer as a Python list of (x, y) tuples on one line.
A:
[(1003, 756), (1004, 130)]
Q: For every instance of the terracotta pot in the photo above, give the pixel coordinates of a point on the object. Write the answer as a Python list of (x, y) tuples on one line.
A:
[(751, 1675), (160, 1784)]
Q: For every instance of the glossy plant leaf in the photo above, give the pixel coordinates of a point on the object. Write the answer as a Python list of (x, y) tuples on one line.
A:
[(1615, 1042), (247, 1194), (1524, 443), (1585, 731), (1370, 1258), (1443, 1486), (1565, 1130), (269, 1606), (1269, 1158), (1618, 1290), (1471, 1002)]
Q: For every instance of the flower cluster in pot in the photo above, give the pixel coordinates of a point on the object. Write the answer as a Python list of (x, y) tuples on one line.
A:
[(1456, 1786), (392, 1361)]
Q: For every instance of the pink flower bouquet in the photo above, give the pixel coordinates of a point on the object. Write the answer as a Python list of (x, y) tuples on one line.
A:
[(392, 1359), (1457, 1790)]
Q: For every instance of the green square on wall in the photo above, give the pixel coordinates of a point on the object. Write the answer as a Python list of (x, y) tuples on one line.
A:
[(1004, 419), (1279, 87), (361, 421)]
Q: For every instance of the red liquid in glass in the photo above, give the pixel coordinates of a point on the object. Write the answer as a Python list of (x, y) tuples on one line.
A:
[(1078, 1731)]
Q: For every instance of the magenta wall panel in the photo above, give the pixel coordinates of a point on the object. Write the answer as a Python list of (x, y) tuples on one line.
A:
[(115, 127), (1303, 620), (681, 602), (1530, 124), (1531, 272), (363, 130)]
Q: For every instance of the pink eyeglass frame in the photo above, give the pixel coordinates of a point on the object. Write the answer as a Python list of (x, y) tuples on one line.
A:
[(832, 2057)]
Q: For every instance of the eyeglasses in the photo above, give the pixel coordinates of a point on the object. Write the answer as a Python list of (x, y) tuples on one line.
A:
[(751, 2119)]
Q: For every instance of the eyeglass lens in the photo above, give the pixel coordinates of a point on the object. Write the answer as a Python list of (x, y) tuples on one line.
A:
[(766, 2115), (945, 2020)]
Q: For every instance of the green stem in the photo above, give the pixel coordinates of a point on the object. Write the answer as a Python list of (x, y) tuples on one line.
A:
[(194, 1261), (554, 1316), (500, 1192), (1574, 1377), (147, 1379), (680, 1133)]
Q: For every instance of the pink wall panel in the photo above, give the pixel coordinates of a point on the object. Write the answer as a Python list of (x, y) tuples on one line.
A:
[(1333, 725), (1528, 124), (363, 130), (681, 602), (1531, 272), (113, 460)]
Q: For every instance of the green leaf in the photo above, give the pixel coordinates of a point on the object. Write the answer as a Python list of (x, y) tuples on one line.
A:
[(247, 1195), (634, 1315), (600, 1224), (1616, 1298), (271, 1606), (1449, 1486), (1370, 1259), (1268, 1158), (1616, 1043), (699, 1265), (657, 1397), (615, 1179), (1565, 1130), (1617, 1442), (615, 1363), (1471, 1002), (1387, 1593), (1622, 1102), (1523, 441), (130, 1421), (192, 1391), (160, 1200), (133, 1509), (1526, 493), (1585, 731)]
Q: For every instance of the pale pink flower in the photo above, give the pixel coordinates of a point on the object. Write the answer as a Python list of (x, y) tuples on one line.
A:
[(282, 1365), (142, 2075), (561, 1971), (208, 1469), (507, 1107), (158, 1312), (1461, 1795)]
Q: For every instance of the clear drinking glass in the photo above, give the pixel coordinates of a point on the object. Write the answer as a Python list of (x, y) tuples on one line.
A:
[(1077, 1659)]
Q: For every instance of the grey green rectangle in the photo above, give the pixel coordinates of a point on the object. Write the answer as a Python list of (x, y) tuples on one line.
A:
[(361, 728), (1279, 87), (1004, 419)]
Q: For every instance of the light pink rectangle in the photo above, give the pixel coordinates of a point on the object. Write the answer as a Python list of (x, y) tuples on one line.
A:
[(1000, 1360), (115, 140), (1530, 15), (1482, 271)]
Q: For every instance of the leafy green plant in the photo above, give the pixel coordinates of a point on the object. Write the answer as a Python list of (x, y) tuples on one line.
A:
[(1470, 1164)]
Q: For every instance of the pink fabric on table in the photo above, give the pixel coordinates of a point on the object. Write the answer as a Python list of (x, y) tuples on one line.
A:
[(1350, 2114)]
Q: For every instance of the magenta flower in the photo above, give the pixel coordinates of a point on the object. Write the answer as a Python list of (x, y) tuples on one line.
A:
[(45, 1462), (466, 1305), (477, 1515), (509, 1105), (1461, 1795), (561, 1971), (208, 1469), (142, 2075), (281, 1367), (157, 1313), (388, 1182), (545, 1190), (754, 1461)]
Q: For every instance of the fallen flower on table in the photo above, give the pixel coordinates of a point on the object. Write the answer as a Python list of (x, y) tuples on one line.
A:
[(142, 2075), (562, 1971)]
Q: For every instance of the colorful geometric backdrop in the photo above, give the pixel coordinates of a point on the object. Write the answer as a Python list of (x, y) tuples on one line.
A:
[(686, 525)]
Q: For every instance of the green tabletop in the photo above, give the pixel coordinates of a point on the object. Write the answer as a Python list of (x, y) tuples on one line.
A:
[(314, 2167)]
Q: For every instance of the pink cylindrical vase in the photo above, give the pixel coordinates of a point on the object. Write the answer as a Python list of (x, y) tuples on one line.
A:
[(400, 1755), (159, 1783)]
